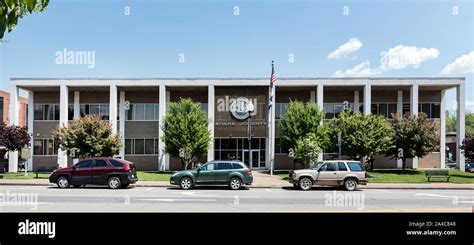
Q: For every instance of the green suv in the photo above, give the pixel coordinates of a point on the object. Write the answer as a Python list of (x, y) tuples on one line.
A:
[(232, 173)]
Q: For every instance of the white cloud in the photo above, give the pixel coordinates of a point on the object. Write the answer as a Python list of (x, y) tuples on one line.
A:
[(462, 65), (347, 48), (396, 58), (401, 57), (361, 70)]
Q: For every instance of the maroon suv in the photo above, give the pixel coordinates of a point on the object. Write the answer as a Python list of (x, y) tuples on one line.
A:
[(115, 173)]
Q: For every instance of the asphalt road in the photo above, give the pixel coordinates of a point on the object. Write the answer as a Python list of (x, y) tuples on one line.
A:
[(220, 199)]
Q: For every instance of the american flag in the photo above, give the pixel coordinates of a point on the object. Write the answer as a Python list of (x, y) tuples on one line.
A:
[(272, 82), (274, 77)]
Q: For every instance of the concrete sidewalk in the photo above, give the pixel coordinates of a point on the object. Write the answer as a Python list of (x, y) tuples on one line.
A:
[(264, 180)]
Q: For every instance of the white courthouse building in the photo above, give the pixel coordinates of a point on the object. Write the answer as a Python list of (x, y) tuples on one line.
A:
[(135, 108)]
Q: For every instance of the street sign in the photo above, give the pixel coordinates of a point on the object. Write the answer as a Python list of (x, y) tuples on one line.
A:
[(181, 152), (25, 153)]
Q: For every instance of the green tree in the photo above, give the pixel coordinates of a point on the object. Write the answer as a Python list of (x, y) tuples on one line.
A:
[(450, 122), (13, 10), (299, 121), (469, 123), (185, 128), (307, 150), (415, 135), (363, 136), (89, 136)]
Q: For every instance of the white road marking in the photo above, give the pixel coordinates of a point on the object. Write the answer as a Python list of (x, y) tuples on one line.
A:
[(177, 200)]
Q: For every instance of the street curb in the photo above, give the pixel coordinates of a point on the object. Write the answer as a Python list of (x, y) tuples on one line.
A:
[(276, 187)]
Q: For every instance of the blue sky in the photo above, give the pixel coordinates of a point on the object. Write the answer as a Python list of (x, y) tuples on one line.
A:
[(216, 42)]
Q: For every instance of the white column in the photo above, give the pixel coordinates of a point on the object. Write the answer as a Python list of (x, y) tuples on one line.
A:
[(460, 125), (414, 111), (30, 125), (77, 104), (320, 103), (367, 98), (400, 102), (210, 126), (356, 101), (400, 112), (63, 121), (113, 107), (162, 164), (442, 131), (14, 119), (122, 116)]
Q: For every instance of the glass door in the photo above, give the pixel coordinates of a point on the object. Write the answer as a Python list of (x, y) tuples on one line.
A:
[(254, 161)]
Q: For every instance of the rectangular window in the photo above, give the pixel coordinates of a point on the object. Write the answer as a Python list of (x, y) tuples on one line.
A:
[(49, 112), (94, 110), (139, 112), (39, 112), (149, 112), (435, 110), (128, 146), (70, 112), (157, 112), (56, 112), (104, 112), (392, 109), (157, 149), (139, 146), (426, 108), (130, 112), (149, 146), (383, 110), (38, 147), (49, 147)]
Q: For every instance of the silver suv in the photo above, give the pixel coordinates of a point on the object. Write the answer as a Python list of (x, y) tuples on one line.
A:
[(347, 173)]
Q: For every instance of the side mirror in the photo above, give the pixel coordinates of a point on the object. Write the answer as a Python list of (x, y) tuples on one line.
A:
[(199, 170), (73, 167), (320, 169)]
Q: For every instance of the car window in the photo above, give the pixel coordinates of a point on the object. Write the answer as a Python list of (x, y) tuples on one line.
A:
[(208, 167), (100, 163), (355, 166), (315, 165), (84, 164), (116, 163), (237, 166), (341, 166), (224, 166), (329, 166)]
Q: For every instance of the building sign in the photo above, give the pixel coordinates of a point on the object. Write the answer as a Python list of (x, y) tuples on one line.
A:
[(238, 107)]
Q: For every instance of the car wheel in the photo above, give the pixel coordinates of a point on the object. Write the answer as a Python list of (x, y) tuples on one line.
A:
[(114, 182), (350, 184), (235, 183), (305, 184), (186, 183), (63, 182)]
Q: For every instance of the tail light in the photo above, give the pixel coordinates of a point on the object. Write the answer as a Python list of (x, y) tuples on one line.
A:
[(248, 171)]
